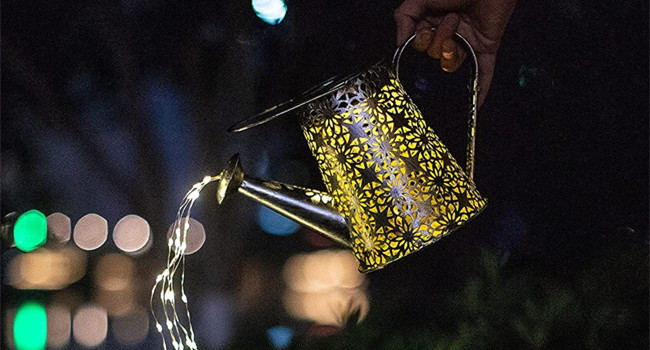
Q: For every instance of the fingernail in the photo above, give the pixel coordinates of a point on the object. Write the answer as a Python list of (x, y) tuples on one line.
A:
[(448, 54), (424, 36)]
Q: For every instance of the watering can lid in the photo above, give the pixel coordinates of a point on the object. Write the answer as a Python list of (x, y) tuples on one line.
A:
[(311, 94)]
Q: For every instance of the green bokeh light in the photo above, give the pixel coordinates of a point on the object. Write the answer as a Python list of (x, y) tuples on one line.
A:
[(30, 327), (30, 230)]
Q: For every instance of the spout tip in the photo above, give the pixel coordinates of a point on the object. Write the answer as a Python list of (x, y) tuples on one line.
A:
[(231, 178), (233, 129)]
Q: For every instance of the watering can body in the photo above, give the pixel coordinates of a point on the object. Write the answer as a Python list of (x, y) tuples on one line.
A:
[(387, 174)]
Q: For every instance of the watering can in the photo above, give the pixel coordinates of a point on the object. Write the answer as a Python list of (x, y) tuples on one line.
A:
[(392, 186)]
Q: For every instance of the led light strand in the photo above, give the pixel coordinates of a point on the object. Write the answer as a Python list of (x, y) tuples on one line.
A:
[(179, 334)]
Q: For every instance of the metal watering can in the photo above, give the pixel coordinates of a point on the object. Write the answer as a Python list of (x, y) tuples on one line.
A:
[(392, 186)]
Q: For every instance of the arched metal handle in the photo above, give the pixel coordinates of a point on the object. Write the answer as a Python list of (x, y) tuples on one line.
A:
[(471, 124)]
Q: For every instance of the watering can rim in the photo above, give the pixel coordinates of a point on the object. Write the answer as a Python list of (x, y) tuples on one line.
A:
[(334, 83), (315, 92)]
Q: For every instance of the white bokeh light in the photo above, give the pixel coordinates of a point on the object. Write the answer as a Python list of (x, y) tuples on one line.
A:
[(131, 233), (90, 325), (90, 232), (59, 227), (58, 326), (195, 236)]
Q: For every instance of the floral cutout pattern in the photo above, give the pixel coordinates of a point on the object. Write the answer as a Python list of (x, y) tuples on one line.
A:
[(385, 170)]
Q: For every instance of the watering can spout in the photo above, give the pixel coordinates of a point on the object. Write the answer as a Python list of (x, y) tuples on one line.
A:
[(308, 207)]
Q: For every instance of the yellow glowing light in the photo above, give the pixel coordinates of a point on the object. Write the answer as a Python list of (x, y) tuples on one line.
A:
[(114, 272), (179, 332), (327, 308), (325, 287), (322, 270), (116, 302), (47, 269), (223, 187), (378, 131)]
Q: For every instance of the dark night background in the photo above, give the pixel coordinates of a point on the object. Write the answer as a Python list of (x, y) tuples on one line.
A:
[(118, 107)]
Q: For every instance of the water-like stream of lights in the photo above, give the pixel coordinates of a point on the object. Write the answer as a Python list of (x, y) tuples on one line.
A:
[(176, 327)]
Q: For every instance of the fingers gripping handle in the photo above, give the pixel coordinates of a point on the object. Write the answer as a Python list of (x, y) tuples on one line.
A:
[(471, 123)]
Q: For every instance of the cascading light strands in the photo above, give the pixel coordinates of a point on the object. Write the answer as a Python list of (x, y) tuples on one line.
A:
[(177, 327)]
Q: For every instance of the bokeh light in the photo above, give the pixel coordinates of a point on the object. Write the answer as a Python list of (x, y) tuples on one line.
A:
[(195, 236), (131, 233), (59, 326), (114, 272), (47, 269), (270, 11), (59, 227), (30, 326), (332, 307), (325, 287), (9, 315), (322, 270), (280, 336), (131, 329), (90, 232), (90, 325), (116, 302), (114, 281), (251, 286), (274, 223), (30, 230)]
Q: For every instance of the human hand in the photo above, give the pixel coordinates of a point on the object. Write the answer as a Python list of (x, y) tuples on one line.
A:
[(481, 22)]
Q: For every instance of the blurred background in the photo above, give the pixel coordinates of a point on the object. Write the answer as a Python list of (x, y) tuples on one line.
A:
[(112, 110)]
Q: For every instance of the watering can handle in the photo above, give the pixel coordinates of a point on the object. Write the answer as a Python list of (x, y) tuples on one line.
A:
[(471, 124)]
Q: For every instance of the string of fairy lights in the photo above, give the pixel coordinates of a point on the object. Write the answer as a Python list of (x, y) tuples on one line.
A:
[(176, 330)]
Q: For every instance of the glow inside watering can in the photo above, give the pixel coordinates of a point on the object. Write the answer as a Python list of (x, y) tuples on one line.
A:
[(390, 181)]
